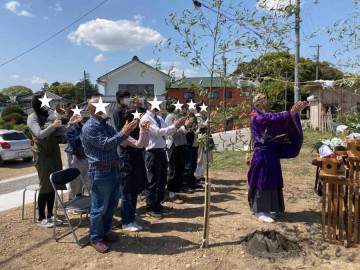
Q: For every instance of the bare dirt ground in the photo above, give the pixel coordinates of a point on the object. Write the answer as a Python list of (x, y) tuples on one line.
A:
[(173, 242), (18, 167)]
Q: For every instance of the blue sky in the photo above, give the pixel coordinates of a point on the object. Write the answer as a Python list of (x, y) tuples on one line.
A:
[(100, 42)]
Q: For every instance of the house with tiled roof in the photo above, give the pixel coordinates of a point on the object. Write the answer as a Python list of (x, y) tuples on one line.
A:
[(56, 99)]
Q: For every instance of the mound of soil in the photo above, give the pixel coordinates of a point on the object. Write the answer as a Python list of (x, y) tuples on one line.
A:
[(270, 244)]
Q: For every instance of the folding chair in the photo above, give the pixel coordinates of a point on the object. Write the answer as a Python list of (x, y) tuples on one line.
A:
[(81, 204)]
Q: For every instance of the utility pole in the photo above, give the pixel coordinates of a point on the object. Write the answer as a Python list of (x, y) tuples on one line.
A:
[(297, 52), (286, 79), (317, 59), (84, 86), (224, 90)]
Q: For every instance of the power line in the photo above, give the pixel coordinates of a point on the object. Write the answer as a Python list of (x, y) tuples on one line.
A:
[(54, 35)]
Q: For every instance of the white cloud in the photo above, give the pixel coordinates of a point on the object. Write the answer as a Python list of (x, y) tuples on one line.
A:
[(152, 62), (99, 58), (107, 35), (15, 76), (37, 80), (180, 72), (57, 7), (25, 13), (14, 6), (274, 4)]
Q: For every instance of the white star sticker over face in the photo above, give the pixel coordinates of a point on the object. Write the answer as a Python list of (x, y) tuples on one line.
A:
[(100, 106), (155, 104), (178, 105), (77, 111), (203, 107), (191, 105), (45, 101), (136, 115)]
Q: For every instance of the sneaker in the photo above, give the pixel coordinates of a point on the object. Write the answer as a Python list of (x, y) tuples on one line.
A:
[(130, 228), (262, 217), (100, 246), (270, 215), (111, 237), (45, 223), (154, 214), (58, 221), (134, 224)]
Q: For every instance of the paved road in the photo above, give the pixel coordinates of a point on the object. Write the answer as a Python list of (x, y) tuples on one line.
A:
[(11, 191), (11, 185)]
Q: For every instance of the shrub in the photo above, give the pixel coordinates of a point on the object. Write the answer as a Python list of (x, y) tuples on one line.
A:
[(12, 109), (24, 128), (5, 125), (14, 116)]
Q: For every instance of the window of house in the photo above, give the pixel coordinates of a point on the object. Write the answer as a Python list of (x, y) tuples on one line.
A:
[(245, 94), (228, 94), (189, 95), (215, 95), (137, 89)]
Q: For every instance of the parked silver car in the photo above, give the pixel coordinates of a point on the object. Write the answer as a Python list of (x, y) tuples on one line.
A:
[(15, 145)]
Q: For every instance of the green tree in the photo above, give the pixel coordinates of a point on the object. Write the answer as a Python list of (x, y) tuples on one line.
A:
[(16, 92), (67, 90), (13, 112), (4, 99), (275, 67), (90, 90)]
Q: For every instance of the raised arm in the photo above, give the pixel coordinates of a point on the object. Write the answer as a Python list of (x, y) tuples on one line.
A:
[(102, 142), (33, 124), (142, 142)]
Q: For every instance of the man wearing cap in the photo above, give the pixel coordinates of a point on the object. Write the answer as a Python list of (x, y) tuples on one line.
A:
[(275, 136)]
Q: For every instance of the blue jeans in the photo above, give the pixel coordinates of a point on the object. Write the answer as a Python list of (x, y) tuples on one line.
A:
[(128, 208), (105, 192)]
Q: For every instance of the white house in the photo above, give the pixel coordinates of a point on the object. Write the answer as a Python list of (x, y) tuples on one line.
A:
[(135, 77)]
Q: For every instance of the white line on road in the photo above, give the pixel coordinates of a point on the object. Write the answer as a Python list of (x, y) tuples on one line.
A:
[(17, 178)]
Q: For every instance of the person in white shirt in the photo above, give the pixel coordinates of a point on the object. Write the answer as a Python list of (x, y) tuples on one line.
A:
[(155, 159)]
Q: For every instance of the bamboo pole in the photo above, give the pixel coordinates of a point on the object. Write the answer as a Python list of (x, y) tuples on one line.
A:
[(205, 241)]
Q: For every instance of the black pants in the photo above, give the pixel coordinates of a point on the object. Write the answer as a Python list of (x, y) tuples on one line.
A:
[(191, 155), (156, 168), (46, 199), (176, 156)]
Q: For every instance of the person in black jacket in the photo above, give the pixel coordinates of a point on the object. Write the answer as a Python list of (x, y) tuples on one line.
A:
[(119, 112)]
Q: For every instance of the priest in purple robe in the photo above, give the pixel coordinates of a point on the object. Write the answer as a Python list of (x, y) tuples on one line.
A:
[(275, 136)]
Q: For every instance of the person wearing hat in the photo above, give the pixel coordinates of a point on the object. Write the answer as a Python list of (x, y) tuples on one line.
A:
[(275, 136)]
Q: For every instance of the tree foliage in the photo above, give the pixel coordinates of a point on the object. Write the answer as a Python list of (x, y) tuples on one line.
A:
[(277, 67), (16, 92)]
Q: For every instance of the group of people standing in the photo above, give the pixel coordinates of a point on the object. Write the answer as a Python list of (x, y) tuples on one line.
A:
[(146, 155)]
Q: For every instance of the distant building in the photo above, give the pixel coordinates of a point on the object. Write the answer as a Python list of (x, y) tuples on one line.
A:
[(141, 79), (189, 88), (26, 101), (324, 98)]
